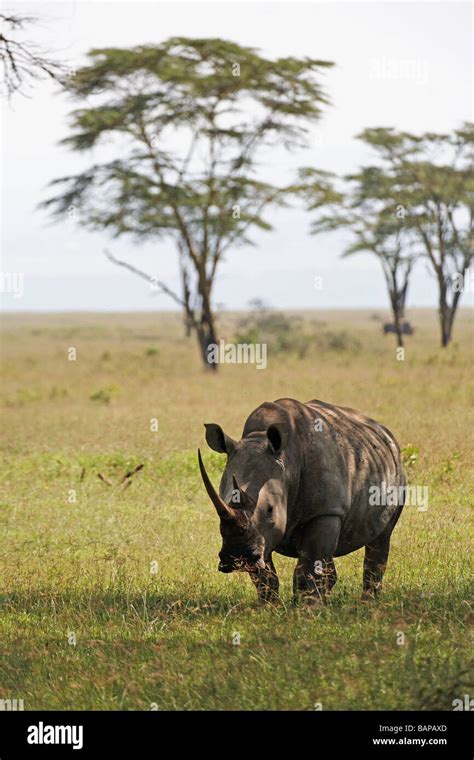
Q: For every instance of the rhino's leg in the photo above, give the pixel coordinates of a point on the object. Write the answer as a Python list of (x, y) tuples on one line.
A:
[(332, 576), (315, 573), (266, 582), (375, 563)]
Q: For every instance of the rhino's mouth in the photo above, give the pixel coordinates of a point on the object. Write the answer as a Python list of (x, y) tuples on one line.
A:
[(224, 568), (241, 565)]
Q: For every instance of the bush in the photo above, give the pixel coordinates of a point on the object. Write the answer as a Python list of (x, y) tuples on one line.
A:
[(105, 395), (285, 334), (337, 341), (279, 331)]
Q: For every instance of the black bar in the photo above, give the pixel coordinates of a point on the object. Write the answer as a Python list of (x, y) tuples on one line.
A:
[(332, 734)]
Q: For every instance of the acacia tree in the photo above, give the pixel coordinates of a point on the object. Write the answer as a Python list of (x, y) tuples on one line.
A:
[(430, 183), (186, 120), (373, 223)]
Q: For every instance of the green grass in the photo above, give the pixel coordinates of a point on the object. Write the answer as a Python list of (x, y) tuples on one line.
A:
[(131, 571)]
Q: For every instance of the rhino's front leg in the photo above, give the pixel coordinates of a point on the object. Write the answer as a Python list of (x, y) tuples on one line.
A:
[(315, 573), (266, 582)]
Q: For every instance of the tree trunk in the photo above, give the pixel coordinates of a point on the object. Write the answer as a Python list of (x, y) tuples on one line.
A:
[(447, 312), (206, 337), (398, 328), (446, 315), (397, 311), (205, 328)]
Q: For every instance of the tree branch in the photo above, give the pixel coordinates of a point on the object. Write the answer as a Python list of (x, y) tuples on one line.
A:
[(164, 288)]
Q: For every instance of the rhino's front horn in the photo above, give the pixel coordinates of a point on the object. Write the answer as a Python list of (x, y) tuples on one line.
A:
[(223, 510)]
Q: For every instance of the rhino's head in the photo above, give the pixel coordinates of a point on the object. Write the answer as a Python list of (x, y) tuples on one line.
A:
[(252, 498)]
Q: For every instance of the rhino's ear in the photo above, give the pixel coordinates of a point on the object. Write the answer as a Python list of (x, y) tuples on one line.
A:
[(277, 435), (218, 440)]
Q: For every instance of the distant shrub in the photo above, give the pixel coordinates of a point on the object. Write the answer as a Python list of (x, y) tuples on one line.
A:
[(22, 396), (282, 333), (57, 392), (338, 342), (450, 463), (105, 395), (291, 334), (410, 455), (152, 351)]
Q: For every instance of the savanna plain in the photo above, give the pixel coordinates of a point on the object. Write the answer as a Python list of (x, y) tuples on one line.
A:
[(111, 597)]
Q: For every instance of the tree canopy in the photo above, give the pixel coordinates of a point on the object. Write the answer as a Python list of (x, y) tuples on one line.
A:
[(416, 200), (429, 182), (220, 100)]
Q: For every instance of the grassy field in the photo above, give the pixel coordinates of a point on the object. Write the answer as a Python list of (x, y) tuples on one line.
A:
[(111, 597)]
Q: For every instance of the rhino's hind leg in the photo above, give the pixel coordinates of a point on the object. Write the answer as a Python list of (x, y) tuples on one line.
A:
[(375, 563), (315, 573), (266, 582)]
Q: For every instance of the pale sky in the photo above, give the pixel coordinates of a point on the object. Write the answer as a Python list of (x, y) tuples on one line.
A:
[(400, 64)]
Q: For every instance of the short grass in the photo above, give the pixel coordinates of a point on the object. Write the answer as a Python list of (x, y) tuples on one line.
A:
[(111, 595)]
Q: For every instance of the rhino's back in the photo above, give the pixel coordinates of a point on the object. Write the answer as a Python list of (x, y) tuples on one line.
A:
[(355, 432)]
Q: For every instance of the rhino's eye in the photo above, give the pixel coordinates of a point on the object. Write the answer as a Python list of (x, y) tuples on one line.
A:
[(270, 510)]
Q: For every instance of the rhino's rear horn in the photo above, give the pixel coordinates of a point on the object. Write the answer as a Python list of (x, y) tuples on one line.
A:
[(244, 500), (224, 512)]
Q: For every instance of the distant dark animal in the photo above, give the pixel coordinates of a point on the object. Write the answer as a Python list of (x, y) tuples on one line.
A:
[(405, 328), (306, 480)]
